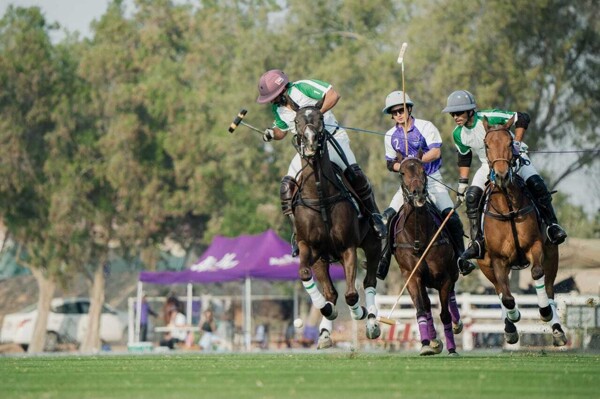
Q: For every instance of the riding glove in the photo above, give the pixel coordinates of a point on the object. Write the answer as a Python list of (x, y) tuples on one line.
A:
[(462, 188), (268, 135), (520, 147)]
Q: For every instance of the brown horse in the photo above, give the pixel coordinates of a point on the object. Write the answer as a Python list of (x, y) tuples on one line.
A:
[(413, 229), (513, 236), (328, 228)]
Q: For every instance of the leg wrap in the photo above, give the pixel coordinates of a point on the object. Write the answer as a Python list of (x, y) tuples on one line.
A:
[(423, 330), (317, 298)]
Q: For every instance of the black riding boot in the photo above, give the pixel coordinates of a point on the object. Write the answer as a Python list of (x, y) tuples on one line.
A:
[(455, 230), (386, 255), (361, 185), (543, 200), (477, 245), (286, 194)]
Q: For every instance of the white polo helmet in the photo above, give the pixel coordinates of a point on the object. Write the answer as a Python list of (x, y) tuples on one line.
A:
[(395, 98), (460, 100)]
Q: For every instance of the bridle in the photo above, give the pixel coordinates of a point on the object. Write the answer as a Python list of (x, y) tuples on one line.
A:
[(419, 179), (491, 163), (301, 143)]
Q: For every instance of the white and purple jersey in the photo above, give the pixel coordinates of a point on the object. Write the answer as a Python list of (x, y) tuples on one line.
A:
[(422, 135)]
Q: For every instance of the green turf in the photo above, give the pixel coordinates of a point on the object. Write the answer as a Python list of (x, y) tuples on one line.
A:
[(299, 375)]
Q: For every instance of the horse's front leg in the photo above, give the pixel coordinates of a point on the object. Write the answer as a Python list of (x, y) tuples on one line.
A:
[(418, 293), (326, 306), (445, 315), (510, 312), (372, 251), (349, 261)]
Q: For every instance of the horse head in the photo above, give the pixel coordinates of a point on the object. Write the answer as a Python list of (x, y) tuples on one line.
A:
[(309, 129), (413, 180), (499, 151)]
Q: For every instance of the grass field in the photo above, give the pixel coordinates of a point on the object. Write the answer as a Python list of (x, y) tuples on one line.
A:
[(303, 375)]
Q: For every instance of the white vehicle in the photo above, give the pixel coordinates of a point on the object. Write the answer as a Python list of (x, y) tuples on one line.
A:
[(67, 323)]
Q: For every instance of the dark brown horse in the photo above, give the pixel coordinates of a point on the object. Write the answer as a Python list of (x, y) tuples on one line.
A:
[(413, 229), (328, 228), (513, 238)]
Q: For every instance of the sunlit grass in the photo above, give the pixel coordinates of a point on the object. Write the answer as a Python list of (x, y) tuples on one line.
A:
[(302, 375)]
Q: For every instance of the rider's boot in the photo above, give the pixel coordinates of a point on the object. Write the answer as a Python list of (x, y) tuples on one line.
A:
[(477, 245), (361, 185), (543, 200), (456, 232), (386, 255), (286, 194)]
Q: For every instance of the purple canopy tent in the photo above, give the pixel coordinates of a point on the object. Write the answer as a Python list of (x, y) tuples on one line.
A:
[(262, 256)]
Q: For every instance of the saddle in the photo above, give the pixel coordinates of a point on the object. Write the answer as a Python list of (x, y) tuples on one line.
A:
[(398, 224), (485, 211)]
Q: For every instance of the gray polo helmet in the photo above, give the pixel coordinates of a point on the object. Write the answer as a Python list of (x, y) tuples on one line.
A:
[(460, 100), (395, 98)]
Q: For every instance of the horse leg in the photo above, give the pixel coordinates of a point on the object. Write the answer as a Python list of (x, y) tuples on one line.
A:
[(349, 260), (321, 269), (457, 324), (446, 317), (329, 311), (418, 294), (369, 284), (550, 266), (536, 258), (510, 311)]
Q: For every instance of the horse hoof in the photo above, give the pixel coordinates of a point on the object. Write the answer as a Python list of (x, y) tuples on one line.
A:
[(458, 327), (558, 337), (426, 350), (511, 337), (453, 353), (373, 330), (325, 340), (437, 346)]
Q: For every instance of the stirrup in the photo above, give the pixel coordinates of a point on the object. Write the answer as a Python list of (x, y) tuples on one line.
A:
[(465, 267), (558, 235), (475, 251)]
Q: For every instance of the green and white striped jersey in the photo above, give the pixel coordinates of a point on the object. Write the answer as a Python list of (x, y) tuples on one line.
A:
[(471, 138), (303, 93)]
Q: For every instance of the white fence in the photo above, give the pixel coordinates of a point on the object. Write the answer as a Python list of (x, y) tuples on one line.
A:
[(482, 314)]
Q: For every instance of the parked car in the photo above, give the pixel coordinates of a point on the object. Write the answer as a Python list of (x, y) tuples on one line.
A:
[(67, 323)]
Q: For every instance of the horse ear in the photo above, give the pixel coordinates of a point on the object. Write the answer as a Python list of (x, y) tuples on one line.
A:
[(420, 154), (486, 124), (509, 122), (319, 103)]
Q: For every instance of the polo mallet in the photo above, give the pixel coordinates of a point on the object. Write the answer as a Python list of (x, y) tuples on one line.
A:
[(238, 121), (388, 319), (401, 62)]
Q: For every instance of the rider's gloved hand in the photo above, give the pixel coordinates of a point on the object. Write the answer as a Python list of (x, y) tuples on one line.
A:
[(462, 188), (268, 135), (519, 147)]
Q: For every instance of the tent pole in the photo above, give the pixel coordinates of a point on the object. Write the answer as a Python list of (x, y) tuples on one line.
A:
[(189, 304), (138, 311), (296, 313), (248, 314)]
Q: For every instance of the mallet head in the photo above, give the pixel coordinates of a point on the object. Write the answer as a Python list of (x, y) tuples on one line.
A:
[(237, 120)]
